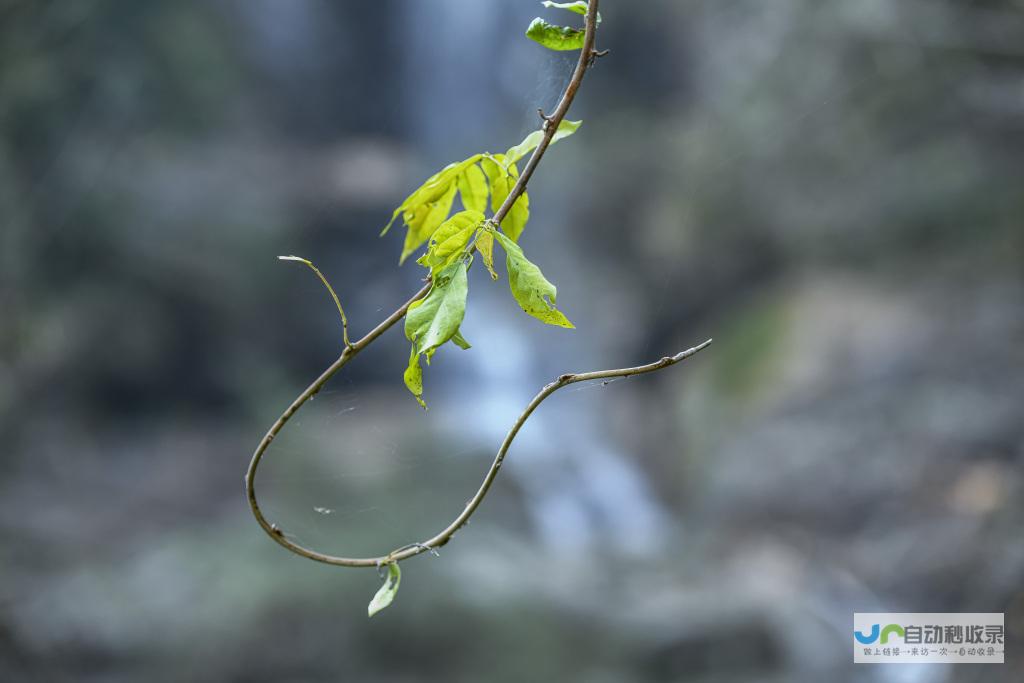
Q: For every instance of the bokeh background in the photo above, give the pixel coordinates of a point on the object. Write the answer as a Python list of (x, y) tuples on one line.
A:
[(830, 189)]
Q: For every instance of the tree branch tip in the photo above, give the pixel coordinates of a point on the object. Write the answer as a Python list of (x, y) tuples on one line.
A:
[(600, 53), (689, 352)]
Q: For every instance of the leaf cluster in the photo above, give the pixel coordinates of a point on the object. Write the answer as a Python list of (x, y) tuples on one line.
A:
[(452, 240)]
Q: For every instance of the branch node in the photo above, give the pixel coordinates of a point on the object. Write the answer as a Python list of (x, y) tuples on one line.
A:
[(548, 120)]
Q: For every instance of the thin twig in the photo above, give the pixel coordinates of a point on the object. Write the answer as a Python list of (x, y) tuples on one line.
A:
[(562, 381), (337, 302)]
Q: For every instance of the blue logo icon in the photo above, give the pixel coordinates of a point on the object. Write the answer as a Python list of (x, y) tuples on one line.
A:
[(877, 630)]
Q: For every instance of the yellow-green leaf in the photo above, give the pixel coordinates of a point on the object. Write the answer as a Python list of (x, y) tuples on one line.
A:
[(515, 221), (414, 377), (502, 175), (386, 594), (565, 129), (450, 240), (530, 288), (473, 188), (485, 245), (497, 172), (430, 191), (424, 220)]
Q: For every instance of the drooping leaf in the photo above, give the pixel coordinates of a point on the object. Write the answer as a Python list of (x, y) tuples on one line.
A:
[(414, 377), (386, 594), (555, 37), (431, 190), (450, 240), (530, 288), (424, 220), (515, 221), (485, 245), (435, 319), (579, 7), (473, 188), (565, 129), (496, 169), (502, 175)]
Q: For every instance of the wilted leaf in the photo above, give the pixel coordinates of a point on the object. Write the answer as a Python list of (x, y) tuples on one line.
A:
[(450, 240), (530, 288), (565, 129), (414, 377), (555, 37), (386, 594), (485, 245), (473, 188)]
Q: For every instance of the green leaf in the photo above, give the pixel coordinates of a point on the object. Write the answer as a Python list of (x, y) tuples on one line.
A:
[(515, 221), (450, 240), (485, 245), (579, 7), (565, 129), (460, 341), (497, 172), (555, 37), (426, 208), (386, 594), (424, 220), (473, 188), (435, 319), (431, 190), (529, 286), (502, 175), (414, 377)]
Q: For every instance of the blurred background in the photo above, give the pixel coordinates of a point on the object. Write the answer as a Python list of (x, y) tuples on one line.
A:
[(830, 189)]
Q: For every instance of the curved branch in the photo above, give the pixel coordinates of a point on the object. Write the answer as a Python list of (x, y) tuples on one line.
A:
[(337, 301), (551, 123), (446, 534), (562, 381)]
